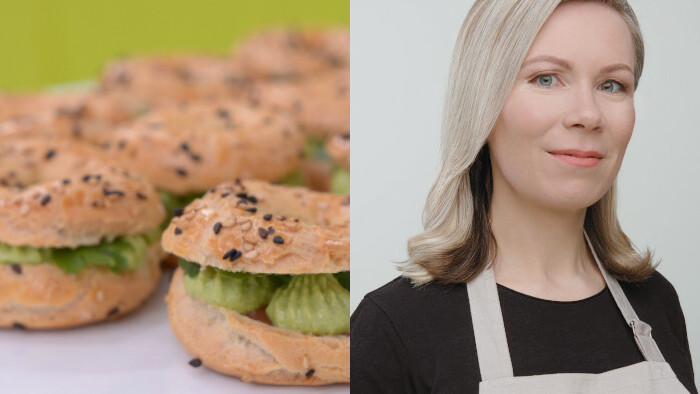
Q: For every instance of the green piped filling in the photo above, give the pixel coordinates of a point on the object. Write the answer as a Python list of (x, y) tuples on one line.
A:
[(122, 254), (316, 304), (340, 180)]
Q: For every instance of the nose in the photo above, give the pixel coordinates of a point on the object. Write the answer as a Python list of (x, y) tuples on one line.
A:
[(584, 112)]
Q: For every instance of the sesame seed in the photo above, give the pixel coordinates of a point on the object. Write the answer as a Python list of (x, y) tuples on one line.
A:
[(17, 269), (195, 157), (86, 178), (232, 255), (19, 326), (283, 218), (251, 209), (50, 154), (141, 196), (253, 199), (268, 216), (223, 113), (113, 311), (224, 195), (270, 230), (242, 195), (65, 181), (178, 231), (185, 147), (310, 373), (262, 232), (244, 202), (121, 145), (45, 200), (278, 240), (178, 212), (181, 171), (217, 227), (108, 192), (195, 362)]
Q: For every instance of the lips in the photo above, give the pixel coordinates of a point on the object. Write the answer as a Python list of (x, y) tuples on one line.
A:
[(578, 158)]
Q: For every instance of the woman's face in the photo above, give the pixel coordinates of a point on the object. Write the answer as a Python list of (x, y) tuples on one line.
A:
[(581, 99)]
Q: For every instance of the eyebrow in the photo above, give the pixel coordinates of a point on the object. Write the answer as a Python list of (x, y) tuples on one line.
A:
[(565, 64)]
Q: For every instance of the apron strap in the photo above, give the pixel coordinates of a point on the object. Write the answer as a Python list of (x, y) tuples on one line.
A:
[(489, 330), (640, 329)]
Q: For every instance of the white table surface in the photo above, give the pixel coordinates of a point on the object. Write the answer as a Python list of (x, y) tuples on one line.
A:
[(137, 353)]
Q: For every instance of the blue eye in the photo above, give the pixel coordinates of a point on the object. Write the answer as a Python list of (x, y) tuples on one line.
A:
[(611, 83), (546, 78)]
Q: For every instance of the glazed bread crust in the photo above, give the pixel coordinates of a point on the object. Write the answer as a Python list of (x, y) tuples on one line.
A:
[(233, 344), (62, 193), (229, 228), (45, 297), (191, 148)]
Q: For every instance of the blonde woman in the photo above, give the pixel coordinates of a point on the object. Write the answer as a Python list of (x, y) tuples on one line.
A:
[(538, 115)]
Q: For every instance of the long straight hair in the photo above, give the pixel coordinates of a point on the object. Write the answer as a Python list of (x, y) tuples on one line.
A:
[(457, 243)]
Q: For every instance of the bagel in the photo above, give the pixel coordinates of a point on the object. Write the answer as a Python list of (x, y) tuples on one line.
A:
[(45, 297), (61, 193), (191, 148), (284, 54), (321, 105), (159, 80), (257, 256), (77, 241)]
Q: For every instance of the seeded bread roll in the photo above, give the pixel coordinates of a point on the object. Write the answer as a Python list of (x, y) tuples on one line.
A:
[(292, 54), (45, 297), (234, 344), (255, 226), (191, 148), (61, 193), (320, 104), (160, 80), (338, 148)]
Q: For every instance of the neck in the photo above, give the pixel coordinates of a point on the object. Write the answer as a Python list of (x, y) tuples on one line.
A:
[(541, 251)]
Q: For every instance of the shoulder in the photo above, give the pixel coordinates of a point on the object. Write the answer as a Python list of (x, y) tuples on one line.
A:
[(656, 291)]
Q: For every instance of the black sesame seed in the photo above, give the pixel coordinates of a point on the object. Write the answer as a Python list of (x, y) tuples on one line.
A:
[(121, 145), (19, 326), (232, 255), (224, 195), (65, 181), (17, 269), (50, 154), (223, 113), (86, 178), (310, 373), (345, 136), (283, 218), (195, 157), (244, 202), (108, 192), (217, 227), (185, 147), (181, 171), (251, 209), (278, 240), (253, 199), (178, 231), (195, 362), (212, 190), (270, 230), (178, 212), (113, 311), (141, 196), (45, 200), (268, 216), (262, 232), (242, 195), (296, 220), (98, 177)]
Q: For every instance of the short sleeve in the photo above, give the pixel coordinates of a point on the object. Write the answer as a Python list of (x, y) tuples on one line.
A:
[(378, 358)]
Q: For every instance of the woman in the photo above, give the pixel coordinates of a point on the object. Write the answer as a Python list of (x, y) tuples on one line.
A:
[(538, 116)]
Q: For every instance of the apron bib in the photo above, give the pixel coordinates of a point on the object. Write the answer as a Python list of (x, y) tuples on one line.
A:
[(652, 376)]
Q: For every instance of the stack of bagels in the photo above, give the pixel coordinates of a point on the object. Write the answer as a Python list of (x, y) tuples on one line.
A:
[(234, 170)]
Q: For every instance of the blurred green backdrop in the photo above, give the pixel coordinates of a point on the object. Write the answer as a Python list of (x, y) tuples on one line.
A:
[(45, 42)]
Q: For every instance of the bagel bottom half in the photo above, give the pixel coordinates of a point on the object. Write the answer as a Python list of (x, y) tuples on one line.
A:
[(234, 344), (43, 296)]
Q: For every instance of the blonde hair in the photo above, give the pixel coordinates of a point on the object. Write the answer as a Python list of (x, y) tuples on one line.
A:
[(457, 242)]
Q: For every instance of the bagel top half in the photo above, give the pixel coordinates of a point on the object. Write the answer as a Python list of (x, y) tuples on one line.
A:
[(191, 148), (254, 226), (62, 193)]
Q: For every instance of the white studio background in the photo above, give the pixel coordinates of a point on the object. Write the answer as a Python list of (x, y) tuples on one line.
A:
[(401, 51)]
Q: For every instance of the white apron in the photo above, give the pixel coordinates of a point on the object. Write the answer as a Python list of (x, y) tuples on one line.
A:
[(652, 376)]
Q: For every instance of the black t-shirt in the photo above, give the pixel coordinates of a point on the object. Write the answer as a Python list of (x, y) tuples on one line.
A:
[(409, 339)]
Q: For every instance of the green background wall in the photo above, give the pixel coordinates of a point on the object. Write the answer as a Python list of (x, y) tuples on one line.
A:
[(45, 42)]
